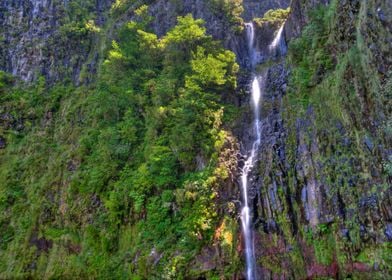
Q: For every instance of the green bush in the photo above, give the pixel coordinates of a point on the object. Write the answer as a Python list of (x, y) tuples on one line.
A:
[(277, 17)]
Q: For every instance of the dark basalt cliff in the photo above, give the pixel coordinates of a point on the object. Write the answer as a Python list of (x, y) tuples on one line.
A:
[(322, 198), (322, 187), (41, 37)]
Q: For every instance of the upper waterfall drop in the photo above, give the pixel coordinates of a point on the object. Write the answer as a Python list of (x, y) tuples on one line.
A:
[(278, 43), (277, 38), (250, 37), (250, 34)]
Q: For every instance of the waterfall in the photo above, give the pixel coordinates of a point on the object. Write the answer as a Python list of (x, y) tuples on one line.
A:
[(278, 43), (276, 48), (248, 166), (250, 36), (246, 171)]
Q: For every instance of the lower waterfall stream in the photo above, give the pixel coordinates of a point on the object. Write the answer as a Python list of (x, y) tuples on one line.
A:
[(249, 163)]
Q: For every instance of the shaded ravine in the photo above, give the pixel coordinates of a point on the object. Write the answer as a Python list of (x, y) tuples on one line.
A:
[(251, 155)]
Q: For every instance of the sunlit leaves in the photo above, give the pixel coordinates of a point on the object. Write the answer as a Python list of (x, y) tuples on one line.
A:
[(187, 32), (137, 150), (211, 70)]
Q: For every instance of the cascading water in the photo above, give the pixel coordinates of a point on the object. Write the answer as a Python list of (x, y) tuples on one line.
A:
[(249, 163), (246, 171), (250, 34), (278, 44), (277, 38)]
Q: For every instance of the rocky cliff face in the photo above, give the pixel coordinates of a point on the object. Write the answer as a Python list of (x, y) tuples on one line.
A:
[(322, 195), (299, 16), (47, 37)]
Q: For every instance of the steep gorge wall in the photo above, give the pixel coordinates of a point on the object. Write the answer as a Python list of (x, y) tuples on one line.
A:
[(322, 198)]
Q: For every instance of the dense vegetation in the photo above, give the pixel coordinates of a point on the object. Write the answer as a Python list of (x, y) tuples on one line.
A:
[(123, 163), (97, 179)]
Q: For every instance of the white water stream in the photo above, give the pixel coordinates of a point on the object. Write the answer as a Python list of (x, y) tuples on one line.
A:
[(278, 38), (249, 163), (246, 216), (250, 36)]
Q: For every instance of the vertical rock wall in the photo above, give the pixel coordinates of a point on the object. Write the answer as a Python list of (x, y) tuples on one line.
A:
[(45, 37), (322, 197)]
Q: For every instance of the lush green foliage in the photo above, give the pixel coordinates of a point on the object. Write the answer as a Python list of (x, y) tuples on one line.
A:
[(277, 16), (78, 21), (310, 56), (99, 181)]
